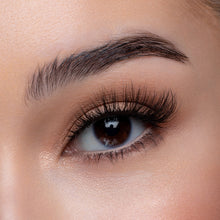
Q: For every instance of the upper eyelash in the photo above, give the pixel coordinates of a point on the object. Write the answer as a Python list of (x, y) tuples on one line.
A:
[(154, 107)]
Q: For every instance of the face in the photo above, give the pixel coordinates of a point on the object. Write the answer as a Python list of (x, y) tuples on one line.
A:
[(124, 124)]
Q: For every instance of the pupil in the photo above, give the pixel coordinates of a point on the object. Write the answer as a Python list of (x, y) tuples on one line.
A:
[(112, 131)]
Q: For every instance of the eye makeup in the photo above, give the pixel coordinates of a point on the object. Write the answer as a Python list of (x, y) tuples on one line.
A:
[(107, 115)]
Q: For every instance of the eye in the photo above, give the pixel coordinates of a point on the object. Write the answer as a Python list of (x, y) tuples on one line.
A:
[(110, 133), (113, 125)]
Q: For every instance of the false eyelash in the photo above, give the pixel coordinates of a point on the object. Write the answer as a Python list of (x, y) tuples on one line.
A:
[(154, 108), (150, 107)]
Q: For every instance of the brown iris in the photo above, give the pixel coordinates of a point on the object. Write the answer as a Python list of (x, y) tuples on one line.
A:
[(112, 131)]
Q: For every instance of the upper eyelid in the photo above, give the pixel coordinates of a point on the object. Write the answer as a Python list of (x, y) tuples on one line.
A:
[(127, 93), (149, 100), (80, 116)]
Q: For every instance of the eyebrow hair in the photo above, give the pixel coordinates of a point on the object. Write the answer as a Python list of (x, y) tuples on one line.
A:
[(51, 76)]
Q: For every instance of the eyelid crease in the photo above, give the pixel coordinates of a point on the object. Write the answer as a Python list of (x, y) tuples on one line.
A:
[(130, 98)]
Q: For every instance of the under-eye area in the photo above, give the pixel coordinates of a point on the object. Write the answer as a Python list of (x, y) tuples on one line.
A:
[(112, 124)]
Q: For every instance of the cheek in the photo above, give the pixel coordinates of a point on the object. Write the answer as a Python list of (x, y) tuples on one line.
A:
[(186, 192), (195, 180), (186, 180), (187, 188), (195, 196)]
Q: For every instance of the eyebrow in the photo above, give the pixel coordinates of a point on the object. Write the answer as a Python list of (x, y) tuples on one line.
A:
[(56, 74)]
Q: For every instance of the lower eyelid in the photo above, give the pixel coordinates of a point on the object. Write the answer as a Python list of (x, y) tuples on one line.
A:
[(145, 142)]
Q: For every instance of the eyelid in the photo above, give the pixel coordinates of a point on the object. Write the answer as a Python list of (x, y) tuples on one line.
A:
[(101, 108), (138, 145), (129, 95)]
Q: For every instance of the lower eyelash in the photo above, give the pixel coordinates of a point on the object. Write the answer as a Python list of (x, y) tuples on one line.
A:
[(151, 139), (153, 108)]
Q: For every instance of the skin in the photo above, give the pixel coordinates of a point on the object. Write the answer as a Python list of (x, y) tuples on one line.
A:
[(178, 179)]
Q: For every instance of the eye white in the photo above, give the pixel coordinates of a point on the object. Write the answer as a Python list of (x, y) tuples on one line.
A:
[(87, 140)]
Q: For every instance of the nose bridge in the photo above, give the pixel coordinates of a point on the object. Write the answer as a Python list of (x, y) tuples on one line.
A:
[(25, 192), (16, 183), (9, 183), (12, 182)]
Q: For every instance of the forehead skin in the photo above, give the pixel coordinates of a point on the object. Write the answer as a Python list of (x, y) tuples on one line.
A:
[(35, 32), (35, 29)]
